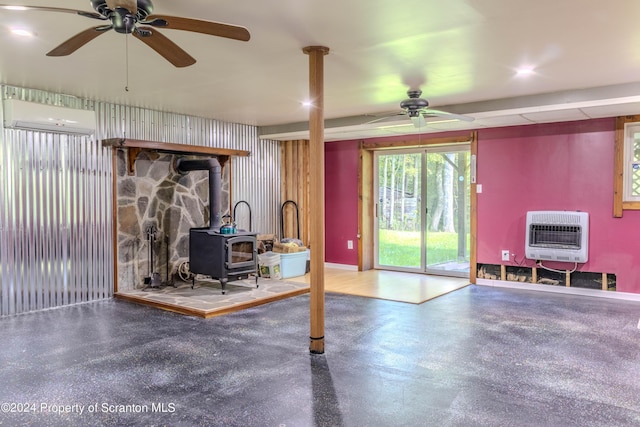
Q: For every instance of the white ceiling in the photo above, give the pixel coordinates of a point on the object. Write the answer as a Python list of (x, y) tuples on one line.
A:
[(463, 54)]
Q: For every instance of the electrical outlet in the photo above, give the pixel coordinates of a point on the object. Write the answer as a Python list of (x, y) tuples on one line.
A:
[(349, 244), (505, 255)]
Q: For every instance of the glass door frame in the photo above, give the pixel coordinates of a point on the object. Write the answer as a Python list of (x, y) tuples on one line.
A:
[(377, 207), (445, 148), (423, 150)]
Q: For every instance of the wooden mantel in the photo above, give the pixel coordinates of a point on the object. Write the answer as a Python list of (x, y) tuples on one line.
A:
[(136, 146)]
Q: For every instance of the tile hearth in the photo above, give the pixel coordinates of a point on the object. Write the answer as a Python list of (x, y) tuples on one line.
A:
[(206, 299)]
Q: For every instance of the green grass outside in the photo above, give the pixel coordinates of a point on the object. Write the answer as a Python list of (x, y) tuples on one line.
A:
[(402, 248)]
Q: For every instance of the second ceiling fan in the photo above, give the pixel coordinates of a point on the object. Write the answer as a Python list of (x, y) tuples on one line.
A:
[(134, 17), (417, 109)]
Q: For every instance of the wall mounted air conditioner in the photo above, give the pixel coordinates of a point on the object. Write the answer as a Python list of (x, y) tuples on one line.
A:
[(557, 236), (48, 118)]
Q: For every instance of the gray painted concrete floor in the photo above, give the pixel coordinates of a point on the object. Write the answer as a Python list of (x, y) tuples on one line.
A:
[(477, 356)]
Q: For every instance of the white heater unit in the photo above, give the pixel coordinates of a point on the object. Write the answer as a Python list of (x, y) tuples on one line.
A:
[(557, 236), (48, 118)]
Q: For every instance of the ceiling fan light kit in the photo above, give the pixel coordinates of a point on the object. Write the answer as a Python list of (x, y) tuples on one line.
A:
[(127, 16)]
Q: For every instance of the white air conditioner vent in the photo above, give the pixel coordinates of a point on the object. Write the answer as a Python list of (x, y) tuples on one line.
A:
[(48, 118), (557, 236)]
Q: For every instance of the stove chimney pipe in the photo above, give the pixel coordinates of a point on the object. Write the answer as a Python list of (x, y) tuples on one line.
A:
[(215, 173)]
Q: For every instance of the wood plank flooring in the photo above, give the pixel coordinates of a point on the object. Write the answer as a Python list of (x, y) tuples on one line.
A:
[(389, 285), (207, 301)]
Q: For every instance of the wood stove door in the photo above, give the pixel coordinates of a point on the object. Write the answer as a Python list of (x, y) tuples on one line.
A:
[(241, 252)]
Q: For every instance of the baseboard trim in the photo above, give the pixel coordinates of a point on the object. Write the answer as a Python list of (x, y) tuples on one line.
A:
[(627, 296), (341, 266)]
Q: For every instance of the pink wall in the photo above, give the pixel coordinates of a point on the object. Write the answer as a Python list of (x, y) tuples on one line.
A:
[(341, 201), (559, 166)]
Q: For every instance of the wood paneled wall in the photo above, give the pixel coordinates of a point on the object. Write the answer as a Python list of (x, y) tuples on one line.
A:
[(295, 186)]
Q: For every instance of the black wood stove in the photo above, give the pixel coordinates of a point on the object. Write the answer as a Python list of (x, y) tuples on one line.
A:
[(224, 257)]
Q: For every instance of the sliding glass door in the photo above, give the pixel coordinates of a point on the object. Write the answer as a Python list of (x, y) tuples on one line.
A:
[(447, 210), (399, 210), (422, 211)]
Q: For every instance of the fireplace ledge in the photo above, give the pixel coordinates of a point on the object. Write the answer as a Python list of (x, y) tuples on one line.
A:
[(136, 146)]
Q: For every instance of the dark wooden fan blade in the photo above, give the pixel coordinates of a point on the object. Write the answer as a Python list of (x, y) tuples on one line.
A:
[(54, 9), (165, 47), (219, 29), (77, 41)]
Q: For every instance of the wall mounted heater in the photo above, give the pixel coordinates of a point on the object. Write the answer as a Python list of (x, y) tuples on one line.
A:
[(48, 118), (557, 236)]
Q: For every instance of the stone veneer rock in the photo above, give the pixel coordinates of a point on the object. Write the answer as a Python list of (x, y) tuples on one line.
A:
[(158, 196)]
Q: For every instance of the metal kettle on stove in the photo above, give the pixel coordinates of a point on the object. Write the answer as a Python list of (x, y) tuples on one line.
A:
[(228, 226)]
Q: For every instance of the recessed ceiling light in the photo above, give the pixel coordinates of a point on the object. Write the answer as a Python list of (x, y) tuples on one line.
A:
[(307, 103), (22, 32), (14, 7), (524, 71)]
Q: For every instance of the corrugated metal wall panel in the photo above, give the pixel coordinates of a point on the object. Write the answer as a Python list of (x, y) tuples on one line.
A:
[(255, 179), (53, 189), (56, 194)]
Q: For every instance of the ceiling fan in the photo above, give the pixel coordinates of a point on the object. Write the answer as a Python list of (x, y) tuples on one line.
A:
[(417, 109), (134, 17)]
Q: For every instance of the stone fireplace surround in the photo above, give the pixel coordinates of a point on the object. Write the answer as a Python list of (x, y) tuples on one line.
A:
[(149, 192)]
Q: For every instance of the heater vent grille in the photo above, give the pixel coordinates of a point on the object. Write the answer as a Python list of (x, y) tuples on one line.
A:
[(557, 236)]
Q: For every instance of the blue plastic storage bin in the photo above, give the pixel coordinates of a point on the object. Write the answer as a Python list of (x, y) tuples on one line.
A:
[(293, 264)]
